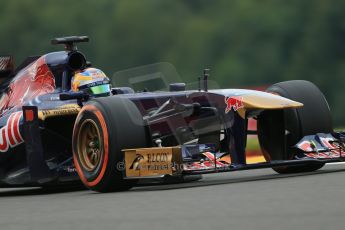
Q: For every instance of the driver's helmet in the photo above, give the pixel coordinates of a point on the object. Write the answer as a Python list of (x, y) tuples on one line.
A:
[(92, 81)]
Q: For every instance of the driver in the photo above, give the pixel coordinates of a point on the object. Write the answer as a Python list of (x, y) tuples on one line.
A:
[(92, 81)]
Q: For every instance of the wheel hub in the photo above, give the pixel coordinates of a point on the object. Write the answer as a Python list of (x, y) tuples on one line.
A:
[(89, 148)]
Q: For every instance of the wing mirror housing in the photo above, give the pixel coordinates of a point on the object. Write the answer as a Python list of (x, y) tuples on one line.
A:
[(79, 96)]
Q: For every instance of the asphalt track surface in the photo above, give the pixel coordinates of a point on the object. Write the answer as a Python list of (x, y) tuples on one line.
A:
[(256, 199)]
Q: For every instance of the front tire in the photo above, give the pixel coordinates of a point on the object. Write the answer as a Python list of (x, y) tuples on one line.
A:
[(278, 131), (103, 128)]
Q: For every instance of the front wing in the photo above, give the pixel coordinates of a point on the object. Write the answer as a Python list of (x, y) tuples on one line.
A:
[(202, 159)]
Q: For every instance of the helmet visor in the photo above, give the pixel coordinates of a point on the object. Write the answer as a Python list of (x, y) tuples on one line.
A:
[(100, 89)]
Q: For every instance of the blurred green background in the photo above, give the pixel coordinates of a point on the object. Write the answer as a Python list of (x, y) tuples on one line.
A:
[(245, 42)]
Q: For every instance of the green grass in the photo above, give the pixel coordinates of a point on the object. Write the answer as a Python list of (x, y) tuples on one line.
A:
[(253, 144)]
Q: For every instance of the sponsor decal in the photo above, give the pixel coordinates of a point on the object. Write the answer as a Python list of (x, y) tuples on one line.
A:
[(157, 157), (136, 163), (55, 98), (59, 112), (148, 161), (69, 169), (10, 133), (234, 103)]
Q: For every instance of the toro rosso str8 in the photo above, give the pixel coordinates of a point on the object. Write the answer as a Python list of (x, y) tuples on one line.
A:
[(51, 135)]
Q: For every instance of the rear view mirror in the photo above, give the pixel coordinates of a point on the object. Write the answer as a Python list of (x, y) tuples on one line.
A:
[(74, 95)]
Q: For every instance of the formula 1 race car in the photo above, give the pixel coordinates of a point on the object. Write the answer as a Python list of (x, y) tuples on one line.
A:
[(52, 135)]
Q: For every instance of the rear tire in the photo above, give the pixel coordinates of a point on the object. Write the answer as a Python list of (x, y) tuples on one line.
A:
[(103, 128), (314, 117)]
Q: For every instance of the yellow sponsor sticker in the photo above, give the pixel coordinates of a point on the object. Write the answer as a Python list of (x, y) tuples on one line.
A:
[(149, 161)]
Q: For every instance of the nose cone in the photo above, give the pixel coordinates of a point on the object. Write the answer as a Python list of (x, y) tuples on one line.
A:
[(263, 100)]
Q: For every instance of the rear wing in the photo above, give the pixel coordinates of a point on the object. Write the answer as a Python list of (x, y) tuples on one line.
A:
[(6, 66)]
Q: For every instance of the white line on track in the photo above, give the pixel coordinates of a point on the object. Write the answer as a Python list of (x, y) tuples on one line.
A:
[(336, 163)]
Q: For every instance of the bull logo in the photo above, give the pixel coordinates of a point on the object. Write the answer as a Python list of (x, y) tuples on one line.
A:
[(234, 103)]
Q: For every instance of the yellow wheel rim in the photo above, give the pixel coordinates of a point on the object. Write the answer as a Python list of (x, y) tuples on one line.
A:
[(89, 145)]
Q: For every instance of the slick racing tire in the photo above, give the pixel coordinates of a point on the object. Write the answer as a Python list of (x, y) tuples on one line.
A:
[(314, 117), (103, 128)]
